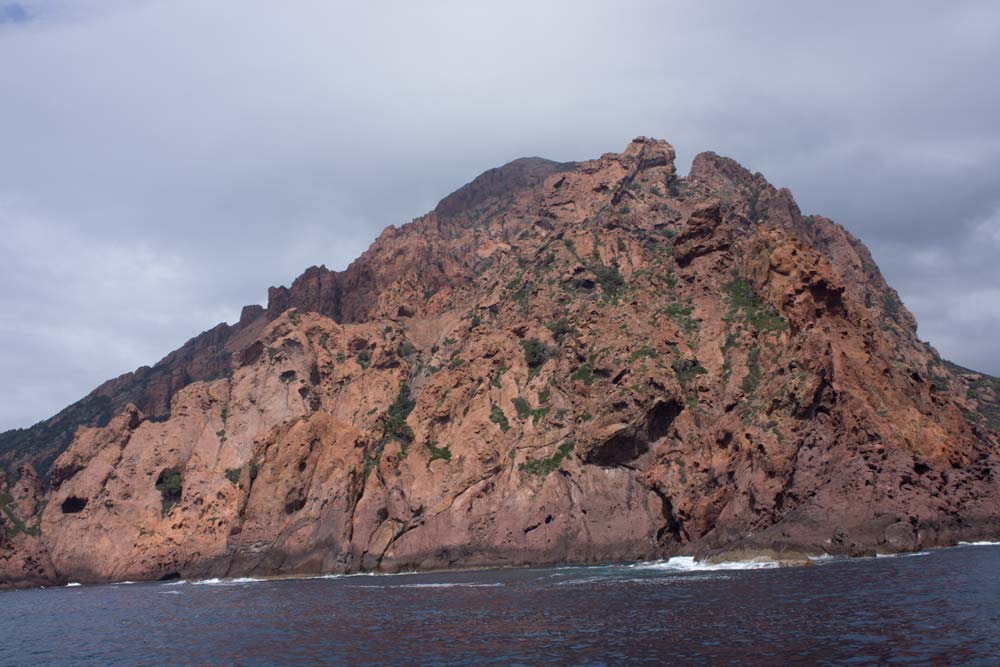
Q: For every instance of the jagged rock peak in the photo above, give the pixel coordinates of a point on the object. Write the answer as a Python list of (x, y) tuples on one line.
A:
[(649, 153), (524, 172)]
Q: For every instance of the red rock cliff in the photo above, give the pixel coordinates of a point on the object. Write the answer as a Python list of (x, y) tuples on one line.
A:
[(562, 363)]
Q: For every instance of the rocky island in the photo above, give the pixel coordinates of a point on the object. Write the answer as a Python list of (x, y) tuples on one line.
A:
[(562, 363)]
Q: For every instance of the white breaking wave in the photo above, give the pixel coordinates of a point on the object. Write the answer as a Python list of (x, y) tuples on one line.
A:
[(226, 582), (73, 583), (689, 564), (908, 554), (494, 585), (218, 581), (979, 544), (443, 585), (825, 558)]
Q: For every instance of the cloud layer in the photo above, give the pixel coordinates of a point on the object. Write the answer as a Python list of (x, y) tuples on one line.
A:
[(163, 162)]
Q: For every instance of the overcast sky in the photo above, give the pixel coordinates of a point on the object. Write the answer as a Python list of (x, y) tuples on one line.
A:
[(163, 162)]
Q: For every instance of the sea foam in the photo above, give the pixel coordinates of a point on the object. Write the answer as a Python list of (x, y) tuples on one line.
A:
[(689, 564), (226, 582), (435, 585)]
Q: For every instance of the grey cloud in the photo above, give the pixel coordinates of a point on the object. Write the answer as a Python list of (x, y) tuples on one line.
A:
[(165, 161), (12, 12)]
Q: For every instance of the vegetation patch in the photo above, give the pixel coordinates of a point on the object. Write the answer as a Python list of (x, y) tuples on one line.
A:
[(170, 484), (727, 362), (763, 317), (560, 328), (538, 414), (233, 475), (522, 294), (498, 375), (543, 467), (524, 409), (15, 524), (498, 417), (681, 314), (584, 374), (686, 370), (753, 376), (985, 390), (442, 453), (890, 305), (643, 352), (609, 278), (754, 214), (394, 426), (681, 472), (536, 353), (364, 358)]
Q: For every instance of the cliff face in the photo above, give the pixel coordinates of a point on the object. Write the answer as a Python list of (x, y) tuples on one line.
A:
[(561, 363), (203, 358)]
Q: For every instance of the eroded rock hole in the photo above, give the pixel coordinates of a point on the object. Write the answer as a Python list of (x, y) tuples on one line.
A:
[(251, 354), (295, 500), (631, 443), (73, 505), (661, 418)]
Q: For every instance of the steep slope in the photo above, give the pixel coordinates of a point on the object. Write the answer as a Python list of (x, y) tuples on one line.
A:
[(343, 296), (204, 357), (561, 363)]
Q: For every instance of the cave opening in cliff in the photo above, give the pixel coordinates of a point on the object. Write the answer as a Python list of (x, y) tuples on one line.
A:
[(631, 443), (73, 505)]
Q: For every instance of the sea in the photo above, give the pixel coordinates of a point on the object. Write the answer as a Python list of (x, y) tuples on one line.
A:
[(936, 607)]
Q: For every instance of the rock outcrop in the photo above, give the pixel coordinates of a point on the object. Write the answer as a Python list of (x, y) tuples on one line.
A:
[(583, 362)]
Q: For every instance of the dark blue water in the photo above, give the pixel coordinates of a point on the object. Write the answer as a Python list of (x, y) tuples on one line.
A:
[(938, 608)]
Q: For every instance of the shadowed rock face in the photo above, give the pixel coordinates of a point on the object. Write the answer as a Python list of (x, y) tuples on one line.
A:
[(561, 363)]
